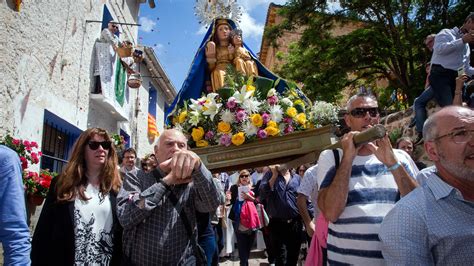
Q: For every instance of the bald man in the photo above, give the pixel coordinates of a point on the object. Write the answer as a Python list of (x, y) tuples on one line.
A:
[(154, 230), (434, 223)]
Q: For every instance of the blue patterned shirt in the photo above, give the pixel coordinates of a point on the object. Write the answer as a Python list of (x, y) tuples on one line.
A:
[(431, 225)]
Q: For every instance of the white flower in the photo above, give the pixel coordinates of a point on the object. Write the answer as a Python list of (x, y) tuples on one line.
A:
[(241, 97), (197, 105), (276, 113), (287, 102), (227, 116), (271, 92), (194, 118), (249, 129), (251, 105), (211, 108)]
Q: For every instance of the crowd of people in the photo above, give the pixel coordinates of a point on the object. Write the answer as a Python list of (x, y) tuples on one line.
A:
[(365, 205)]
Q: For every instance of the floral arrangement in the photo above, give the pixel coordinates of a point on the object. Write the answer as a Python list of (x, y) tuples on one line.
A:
[(38, 184), (35, 183), (323, 113), (246, 116), (119, 142), (27, 150)]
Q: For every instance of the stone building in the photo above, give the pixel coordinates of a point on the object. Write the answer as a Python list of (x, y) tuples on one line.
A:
[(49, 93)]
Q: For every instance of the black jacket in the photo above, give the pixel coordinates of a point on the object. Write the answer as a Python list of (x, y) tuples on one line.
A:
[(53, 240)]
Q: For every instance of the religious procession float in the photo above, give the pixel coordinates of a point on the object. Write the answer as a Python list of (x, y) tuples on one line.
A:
[(237, 113)]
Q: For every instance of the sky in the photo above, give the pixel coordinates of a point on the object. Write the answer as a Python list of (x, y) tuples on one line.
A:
[(174, 32)]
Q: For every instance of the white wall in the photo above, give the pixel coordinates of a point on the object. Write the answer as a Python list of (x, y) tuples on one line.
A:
[(46, 63)]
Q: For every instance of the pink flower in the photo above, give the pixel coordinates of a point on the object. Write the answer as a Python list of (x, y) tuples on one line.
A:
[(40, 154), (16, 142), (26, 143), (261, 134), (34, 158), (209, 135), (289, 129), (231, 104), (287, 120), (266, 118), (225, 140), (34, 144), (24, 162), (28, 148), (272, 100), (240, 115)]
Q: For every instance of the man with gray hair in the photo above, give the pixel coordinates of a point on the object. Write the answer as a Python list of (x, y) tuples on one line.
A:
[(434, 224), (358, 190), (156, 230)]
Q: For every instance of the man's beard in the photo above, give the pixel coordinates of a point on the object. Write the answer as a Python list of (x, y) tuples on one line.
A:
[(457, 169)]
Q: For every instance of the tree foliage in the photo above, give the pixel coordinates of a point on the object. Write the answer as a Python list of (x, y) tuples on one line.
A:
[(388, 44)]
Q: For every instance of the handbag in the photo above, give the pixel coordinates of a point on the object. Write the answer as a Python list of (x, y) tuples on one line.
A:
[(192, 256), (262, 215)]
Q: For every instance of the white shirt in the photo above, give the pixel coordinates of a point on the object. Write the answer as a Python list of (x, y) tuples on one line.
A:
[(450, 52), (93, 221), (309, 187)]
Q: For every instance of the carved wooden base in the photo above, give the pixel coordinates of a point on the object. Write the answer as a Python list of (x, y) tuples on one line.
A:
[(273, 150)]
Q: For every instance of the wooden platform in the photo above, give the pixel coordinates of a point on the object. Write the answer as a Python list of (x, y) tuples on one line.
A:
[(273, 150)]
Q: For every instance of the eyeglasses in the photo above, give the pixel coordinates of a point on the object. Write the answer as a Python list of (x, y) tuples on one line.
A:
[(244, 176), (94, 145), (360, 112), (115, 26), (459, 136)]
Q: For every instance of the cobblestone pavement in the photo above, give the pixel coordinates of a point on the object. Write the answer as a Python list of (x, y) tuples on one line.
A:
[(256, 258)]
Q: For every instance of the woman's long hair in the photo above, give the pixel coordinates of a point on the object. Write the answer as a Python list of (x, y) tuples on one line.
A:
[(73, 180)]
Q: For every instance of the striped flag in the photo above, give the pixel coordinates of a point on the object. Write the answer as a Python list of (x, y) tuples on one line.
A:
[(152, 130)]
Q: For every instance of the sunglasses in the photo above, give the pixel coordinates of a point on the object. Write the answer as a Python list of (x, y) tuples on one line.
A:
[(244, 176), (94, 145), (360, 112), (115, 26)]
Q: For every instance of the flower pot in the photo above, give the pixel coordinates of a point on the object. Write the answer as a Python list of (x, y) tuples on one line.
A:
[(134, 81), (124, 51), (35, 200), (272, 150)]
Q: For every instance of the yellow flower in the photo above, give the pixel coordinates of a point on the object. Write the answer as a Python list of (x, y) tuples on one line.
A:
[(291, 112), (301, 118), (300, 102), (182, 117), (272, 123), (223, 127), (202, 143), (197, 133), (272, 131), (250, 88), (257, 120), (238, 139)]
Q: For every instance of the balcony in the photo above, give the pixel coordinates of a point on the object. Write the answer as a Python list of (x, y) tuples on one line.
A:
[(111, 91)]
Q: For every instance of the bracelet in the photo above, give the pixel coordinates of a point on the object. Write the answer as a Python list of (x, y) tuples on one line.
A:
[(394, 167)]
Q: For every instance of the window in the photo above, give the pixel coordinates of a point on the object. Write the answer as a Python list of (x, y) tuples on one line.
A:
[(58, 139)]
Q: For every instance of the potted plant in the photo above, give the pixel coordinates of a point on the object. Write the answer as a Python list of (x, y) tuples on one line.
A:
[(37, 185)]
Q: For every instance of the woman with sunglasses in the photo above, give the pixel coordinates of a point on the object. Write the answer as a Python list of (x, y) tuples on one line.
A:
[(244, 239), (78, 223)]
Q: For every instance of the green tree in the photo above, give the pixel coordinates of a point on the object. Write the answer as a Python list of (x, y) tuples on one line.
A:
[(389, 43)]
